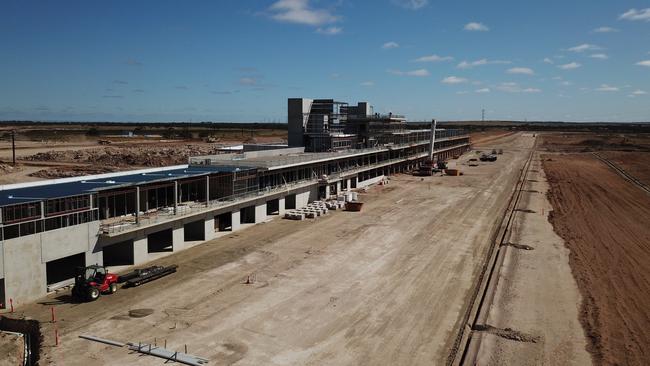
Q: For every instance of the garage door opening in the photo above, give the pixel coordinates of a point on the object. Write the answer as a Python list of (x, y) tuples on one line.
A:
[(194, 231), (290, 202), (273, 207), (161, 241), (63, 269), (247, 215), (119, 254), (223, 222)]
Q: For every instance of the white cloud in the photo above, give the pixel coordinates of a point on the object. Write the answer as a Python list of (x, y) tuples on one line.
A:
[(433, 58), (476, 27), (607, 88), (633, 14), (481, 62), (600, 56), (299, 11), (585, 47), (605, 30), (411, 4), (389, 45), (570, 66), (521, 70), (548, 60), (418, 72), (330, 31), (368, 83), (511, 87), (248, 81), (483, 90), (566, 83), (454, 80), (639, 92), (462, 92), (645, 63)]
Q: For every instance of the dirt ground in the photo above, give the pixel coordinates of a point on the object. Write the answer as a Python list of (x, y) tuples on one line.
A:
[(386, 286), (534, 317), (11, 349), (635, 163), (604, 222), (83, 156), (591, 141)]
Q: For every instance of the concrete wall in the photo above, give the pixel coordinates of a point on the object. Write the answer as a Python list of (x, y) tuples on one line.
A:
[(24, 258), (68, 241), (2, 268), (24, 270), (297, 108), (370, 181)]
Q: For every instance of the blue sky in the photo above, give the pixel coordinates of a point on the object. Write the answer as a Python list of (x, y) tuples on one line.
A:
[(239, 60)]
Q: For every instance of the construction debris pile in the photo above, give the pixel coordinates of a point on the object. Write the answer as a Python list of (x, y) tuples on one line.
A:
[(127, 156)]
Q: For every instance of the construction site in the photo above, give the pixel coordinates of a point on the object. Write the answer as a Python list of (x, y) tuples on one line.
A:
[(353, 238)]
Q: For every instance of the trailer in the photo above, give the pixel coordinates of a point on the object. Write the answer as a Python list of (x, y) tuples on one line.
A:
[(144, 275)]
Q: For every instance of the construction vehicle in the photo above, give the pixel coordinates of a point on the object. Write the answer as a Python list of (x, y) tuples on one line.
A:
[(91, 281), (144, 275), (427, 168), (488, 157)]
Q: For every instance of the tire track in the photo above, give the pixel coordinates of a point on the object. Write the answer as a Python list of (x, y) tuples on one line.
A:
[(627, 176), (467, 345)]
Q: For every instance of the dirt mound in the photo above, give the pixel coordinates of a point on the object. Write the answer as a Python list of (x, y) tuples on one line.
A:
[(150, 156), (6, 168), (67, 172), (603, 220)]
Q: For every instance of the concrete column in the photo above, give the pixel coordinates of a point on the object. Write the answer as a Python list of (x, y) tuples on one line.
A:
[(338, 187), (140, 251), (236, 220), (42, 210), (281, 208), (260, 212), (349, 184), (1, 216), (175, 197), (209, 228), (137, 205), (327, 191), (207, 191), (178, 238)]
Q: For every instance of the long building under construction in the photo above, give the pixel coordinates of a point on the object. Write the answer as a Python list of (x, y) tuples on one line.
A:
[(123, 219)]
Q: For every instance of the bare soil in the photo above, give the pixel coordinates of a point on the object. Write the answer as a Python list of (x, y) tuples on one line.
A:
[(603, 220), (533, 319), (11, 349), (385, 286), (635, 163), (584, 142)]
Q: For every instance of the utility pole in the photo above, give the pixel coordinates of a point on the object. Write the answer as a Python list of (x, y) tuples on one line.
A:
[(13, 146), (483, 115)]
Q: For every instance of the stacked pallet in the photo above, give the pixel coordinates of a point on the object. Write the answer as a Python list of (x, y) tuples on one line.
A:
[(311, 211)]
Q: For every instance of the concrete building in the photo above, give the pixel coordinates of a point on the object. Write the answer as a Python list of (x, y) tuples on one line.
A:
[(49, 228)]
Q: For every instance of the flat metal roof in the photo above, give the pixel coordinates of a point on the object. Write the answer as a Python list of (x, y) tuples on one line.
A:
[(87, 186)]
